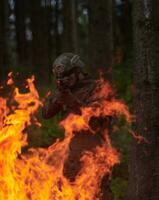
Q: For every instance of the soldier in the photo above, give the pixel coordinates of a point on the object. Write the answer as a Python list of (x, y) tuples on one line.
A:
[(74, 86), (75, 89)]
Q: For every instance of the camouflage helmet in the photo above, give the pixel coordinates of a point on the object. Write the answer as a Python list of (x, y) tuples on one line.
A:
[(66, 62)]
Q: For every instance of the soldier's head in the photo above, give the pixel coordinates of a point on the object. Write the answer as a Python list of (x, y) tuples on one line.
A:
[(67, 67)]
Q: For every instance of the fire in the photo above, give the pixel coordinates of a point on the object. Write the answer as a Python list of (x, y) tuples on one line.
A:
[(38, 174)]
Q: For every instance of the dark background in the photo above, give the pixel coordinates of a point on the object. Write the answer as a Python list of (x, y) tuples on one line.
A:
[(34, 32)]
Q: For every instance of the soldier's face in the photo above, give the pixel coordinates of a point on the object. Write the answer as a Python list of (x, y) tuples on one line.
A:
[(58, 71), (67, 81), (64, 79)]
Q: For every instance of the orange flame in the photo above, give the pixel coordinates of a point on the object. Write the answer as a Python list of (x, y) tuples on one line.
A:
[(38, 174), (10, 79)]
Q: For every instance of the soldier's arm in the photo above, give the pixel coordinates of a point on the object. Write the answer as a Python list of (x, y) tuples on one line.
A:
[(51, 108)]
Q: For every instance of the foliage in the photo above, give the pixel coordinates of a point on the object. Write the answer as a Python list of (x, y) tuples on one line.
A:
[(51, 128), (118, 187), (123, 76)]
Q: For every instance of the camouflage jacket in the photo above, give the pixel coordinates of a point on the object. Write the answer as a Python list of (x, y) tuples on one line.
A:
[(70, 101)]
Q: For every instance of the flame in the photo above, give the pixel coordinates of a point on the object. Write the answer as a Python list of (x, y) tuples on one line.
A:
[(38, 174), (10, 79)]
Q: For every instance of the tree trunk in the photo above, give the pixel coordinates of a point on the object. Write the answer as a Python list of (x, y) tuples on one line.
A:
[(2, 35), (70, 26), (40, 24), (144, 165), (126, 26), (100, 42), (56, 29), (20, 13), (4, 60), (123, 30)]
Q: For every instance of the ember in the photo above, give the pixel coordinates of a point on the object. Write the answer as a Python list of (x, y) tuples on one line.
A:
[(38, 175)]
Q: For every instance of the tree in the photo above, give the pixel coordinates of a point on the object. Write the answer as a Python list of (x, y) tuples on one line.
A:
[(40, 25), (122, 18), (4, 60), (144, 165), (70, 26), (20, 14), (57, 39), (2, 30), (100, 39)]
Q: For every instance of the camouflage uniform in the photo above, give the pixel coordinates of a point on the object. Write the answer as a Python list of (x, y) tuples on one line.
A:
[(69, 99)]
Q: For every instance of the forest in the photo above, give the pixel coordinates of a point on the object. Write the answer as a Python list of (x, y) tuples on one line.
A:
[(116, 38)]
